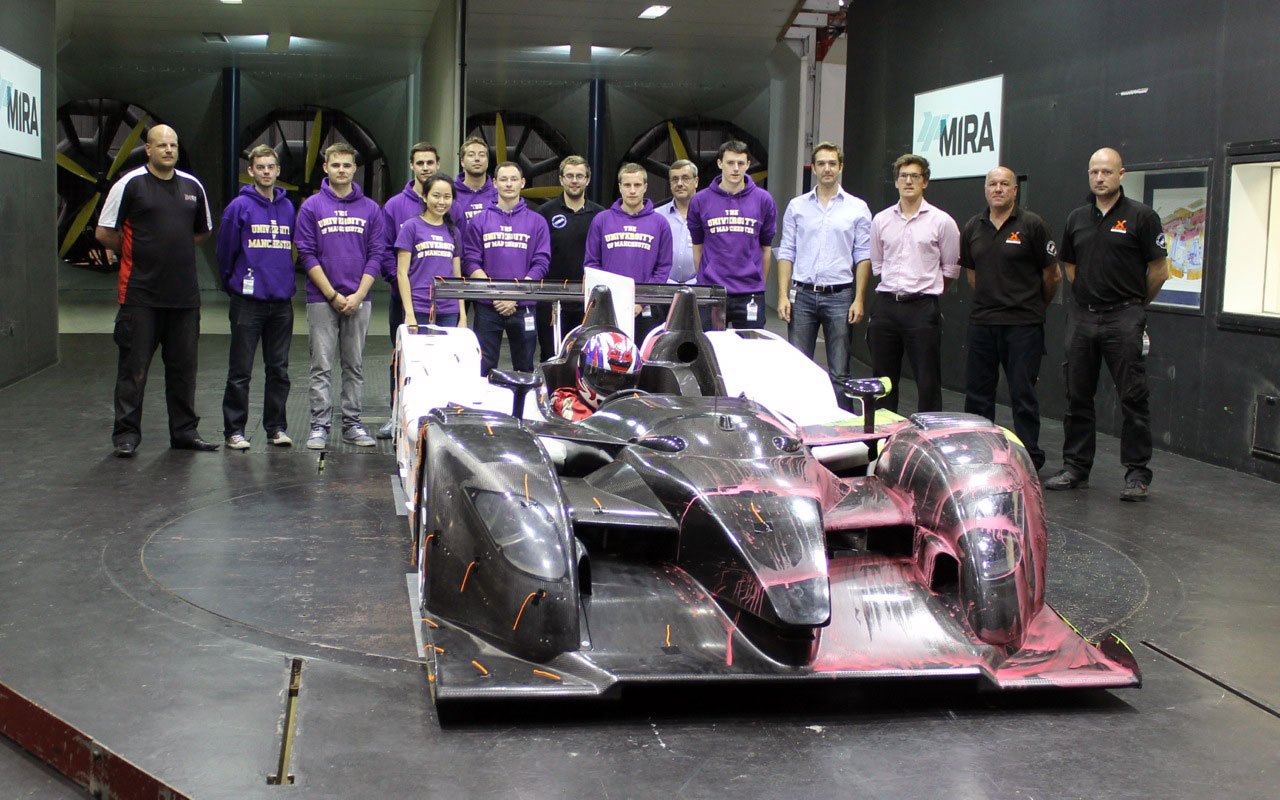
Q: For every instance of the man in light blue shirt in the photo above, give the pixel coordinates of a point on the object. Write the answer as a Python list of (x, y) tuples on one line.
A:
[(683, 176), (825, 251)]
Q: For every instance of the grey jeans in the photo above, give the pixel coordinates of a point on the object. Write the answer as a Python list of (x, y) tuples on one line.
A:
[(332, 331)]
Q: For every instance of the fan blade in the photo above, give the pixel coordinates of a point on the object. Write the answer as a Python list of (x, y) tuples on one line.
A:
[(66, 163), (677, 144), (758, 177), (313, 147), (499, 138), (541, 192), (77, 225), (130, 142)]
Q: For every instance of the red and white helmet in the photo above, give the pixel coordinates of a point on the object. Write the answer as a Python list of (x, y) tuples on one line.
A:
[(609, 362)]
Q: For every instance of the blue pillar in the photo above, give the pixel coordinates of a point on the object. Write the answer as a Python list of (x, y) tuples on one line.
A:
[(230, 133), (595, 140)]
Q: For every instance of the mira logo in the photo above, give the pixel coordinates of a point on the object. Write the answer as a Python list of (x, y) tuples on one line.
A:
[(20, 110), (956, 135)]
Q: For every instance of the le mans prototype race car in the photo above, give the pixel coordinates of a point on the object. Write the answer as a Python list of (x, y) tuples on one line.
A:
[(726, 521)]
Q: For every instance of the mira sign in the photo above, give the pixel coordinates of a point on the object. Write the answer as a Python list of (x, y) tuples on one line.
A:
[(19, 106), (958, 128)]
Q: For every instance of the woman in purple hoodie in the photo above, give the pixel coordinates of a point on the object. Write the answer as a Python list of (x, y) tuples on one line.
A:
[(426, 248)]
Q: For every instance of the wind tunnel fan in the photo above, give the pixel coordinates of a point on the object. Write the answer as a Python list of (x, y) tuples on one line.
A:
[(98, 141), (696, 139), (529, 141), (299, 135)]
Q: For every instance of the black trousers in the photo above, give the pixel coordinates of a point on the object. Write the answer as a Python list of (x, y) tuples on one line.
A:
[(912, 328), (489, 326), (1113, 338), (253, 321), (139, 330), (737, 313), (1018, 350), (570, 318)]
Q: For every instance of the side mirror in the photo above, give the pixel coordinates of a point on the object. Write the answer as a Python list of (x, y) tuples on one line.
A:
[(867, 391), (519, 383)]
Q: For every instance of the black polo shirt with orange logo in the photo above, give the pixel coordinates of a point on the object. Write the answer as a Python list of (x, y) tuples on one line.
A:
[(1008, 265), (1111, 251)]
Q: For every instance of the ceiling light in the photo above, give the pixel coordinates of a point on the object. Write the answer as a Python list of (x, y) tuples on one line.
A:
[(653, 12), (233, 2), (213, 37), (636, 51)]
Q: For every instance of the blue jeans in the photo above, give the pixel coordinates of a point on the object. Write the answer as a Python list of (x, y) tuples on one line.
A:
[(830, 311), (1017, 349), (489, 326), (271, 322)]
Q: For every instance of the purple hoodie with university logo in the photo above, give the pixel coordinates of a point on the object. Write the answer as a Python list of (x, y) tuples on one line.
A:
[(732, 229), (507, 245), (257, 235), (344, 235), (400, 208), (467, 202), (431, 250), (635, 245)]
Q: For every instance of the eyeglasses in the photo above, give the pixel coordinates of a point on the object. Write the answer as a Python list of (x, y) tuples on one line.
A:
[(574, 178), (910, 176)]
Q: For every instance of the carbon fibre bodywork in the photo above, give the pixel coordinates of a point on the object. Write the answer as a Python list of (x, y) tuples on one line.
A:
[(689, 536)]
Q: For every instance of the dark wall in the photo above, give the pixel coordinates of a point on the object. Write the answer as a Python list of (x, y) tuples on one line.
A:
[(1212, 72), (28, 212)]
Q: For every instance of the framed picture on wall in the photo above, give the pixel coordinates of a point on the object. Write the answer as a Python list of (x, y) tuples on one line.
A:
[(1181, 199)]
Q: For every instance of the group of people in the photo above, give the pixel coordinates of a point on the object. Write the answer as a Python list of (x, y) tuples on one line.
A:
[(475, 226)]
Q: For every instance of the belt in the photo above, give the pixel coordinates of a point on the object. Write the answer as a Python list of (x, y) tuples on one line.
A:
[(809, 287), (905, 297), (1100, 308)]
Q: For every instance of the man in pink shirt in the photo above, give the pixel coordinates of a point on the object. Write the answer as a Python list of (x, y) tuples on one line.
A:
[(915, 252)]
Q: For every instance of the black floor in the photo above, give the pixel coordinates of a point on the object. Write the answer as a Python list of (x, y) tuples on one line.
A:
[(158, 605)]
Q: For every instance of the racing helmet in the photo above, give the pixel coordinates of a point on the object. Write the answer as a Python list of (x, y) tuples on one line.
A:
[(609, 362)]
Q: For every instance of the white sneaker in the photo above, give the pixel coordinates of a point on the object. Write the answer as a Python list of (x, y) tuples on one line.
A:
[(357, 435), (280, 439), (236, 441), (318, 439)]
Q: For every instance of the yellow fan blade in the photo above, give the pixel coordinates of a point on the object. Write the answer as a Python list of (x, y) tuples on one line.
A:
[(77, 226), (499, 139), (66, 163), (541, 192), (760, 176), (313, 146), (677, 144), (130, 142)]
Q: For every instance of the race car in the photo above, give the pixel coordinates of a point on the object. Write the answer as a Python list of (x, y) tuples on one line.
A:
[(726, 520)]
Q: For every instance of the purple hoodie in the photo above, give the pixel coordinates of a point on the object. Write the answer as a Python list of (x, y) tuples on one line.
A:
[(344, 235), (257, 235), (431, 249), (638, 246), (732, 229), (507, 244), (468, 203), (396, 211)]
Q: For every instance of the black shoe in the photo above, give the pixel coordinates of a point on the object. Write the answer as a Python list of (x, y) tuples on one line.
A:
[(1135, 491), (1065, 480), (125, 450), (194, 443)]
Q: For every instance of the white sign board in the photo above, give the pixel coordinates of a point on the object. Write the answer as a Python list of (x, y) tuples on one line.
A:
[(19, 106), (623, 291), (958, 128)]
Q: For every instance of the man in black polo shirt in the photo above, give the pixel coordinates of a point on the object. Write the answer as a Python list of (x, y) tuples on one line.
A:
[(1012, 266), (569, 218), (1113, 250), (154, 216)]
